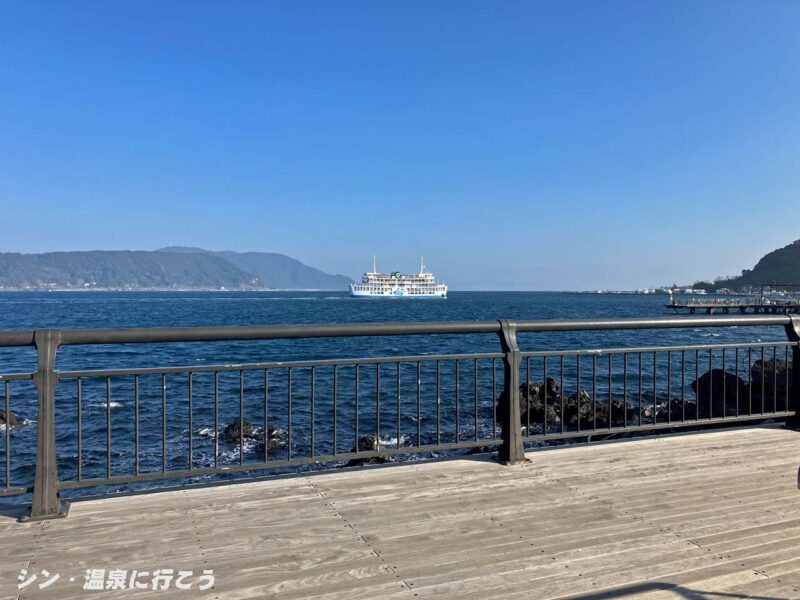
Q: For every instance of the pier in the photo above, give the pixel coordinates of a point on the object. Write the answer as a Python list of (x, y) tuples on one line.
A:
[(773, 299), (630, 471), (726, 306)]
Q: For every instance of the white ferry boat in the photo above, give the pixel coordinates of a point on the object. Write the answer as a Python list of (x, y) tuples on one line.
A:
[(398, 285)]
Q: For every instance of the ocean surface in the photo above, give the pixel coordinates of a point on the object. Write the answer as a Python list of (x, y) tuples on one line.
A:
[(397, 422)]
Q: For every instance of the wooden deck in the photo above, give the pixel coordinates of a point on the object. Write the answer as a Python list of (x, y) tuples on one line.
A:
[(711, 515)]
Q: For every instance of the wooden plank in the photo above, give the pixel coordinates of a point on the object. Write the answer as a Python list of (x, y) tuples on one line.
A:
[(657, 518)]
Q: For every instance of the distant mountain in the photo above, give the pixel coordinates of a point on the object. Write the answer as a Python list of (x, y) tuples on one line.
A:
[(781, 266), (119, 269), (169, 269), (273, 270)]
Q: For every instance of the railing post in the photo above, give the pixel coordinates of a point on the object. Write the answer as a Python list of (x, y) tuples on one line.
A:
[(511, 450), (793, 333), (46, 503)]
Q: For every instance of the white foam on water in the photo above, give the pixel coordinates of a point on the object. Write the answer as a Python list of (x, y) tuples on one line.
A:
[(206, 432), (233, 453), (21, 422), (392, 441)]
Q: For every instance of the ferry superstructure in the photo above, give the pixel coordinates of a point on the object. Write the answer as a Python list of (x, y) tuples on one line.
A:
[(398, 285)]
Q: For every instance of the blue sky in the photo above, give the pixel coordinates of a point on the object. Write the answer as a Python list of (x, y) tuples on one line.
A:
[(518, 145)]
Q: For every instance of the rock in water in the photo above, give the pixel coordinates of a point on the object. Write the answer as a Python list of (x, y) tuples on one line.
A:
[(772, 376), (716, 389), (366, 443), (9, 419), (233, 435), (275, 439), (534, 399)]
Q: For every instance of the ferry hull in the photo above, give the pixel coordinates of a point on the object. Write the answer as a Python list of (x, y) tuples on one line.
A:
[(398, 294)]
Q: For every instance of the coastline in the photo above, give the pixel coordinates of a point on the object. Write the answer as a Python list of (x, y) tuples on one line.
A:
[(170, 289)]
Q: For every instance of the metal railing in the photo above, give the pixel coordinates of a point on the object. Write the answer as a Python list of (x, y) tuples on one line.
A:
[(316, 411)]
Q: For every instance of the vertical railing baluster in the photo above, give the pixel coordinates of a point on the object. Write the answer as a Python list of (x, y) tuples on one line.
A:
[(655, 388), (640, 388), (136, 424), (164, 422), (542, 391), (683, 385), (458, 401), (266, 415), (710, 386), (313, 393), (378, 406), (356, 386), (398, 405), (241, 417), (8, 434), (577, 387), (527, 394), (774, 379), (594, 396), (763, 379), (561, 389), (475, 393), (191, 422), (438, 405), (736, 357), (335, 405), (669, 386), (697, 384), (494, 399), (625, 389), (786, 386), (108, 427), (419, 406), (289, 413), (724, 384), (750, 377), (79, 396), (610, 397), (216, 419)]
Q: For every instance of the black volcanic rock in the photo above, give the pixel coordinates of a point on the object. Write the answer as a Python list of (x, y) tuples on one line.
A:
[(717, 390), (9, 419)]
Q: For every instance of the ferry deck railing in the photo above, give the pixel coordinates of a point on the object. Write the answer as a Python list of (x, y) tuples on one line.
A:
[(526, 400)]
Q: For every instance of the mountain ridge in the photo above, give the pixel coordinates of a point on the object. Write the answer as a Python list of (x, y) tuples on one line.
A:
[(272, 269), (780, 266), (176, 268)]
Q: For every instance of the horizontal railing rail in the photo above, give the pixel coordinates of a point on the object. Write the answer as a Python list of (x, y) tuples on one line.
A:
[(150, 335), (120, 426)]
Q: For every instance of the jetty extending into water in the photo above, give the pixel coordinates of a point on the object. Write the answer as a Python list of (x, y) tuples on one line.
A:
[(515, 498), (726, 306)]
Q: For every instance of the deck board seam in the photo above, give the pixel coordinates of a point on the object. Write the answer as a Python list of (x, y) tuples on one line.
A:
[(374, 551), (42, 527)]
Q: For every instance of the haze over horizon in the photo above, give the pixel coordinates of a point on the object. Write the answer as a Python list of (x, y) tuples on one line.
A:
[(516, 145)]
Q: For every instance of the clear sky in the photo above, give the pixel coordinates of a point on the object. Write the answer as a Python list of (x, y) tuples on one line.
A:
[(518, 145)]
